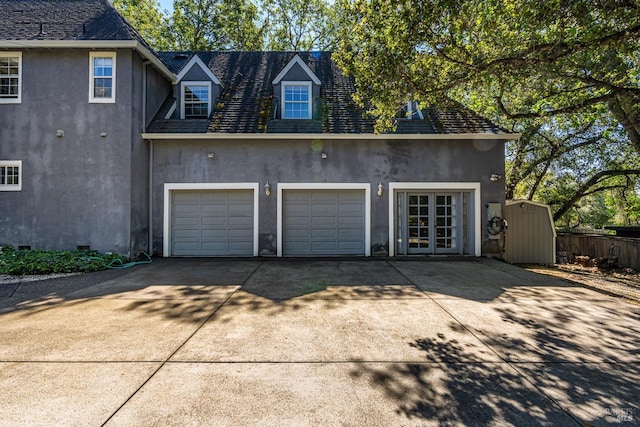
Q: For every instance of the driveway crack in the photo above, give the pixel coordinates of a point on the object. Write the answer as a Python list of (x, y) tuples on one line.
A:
[(166, 360)]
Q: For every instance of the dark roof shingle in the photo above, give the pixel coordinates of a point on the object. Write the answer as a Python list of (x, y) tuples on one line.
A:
[(246, 104), (63, 20)]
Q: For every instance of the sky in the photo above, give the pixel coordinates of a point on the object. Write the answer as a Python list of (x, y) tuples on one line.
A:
[(166, 5)]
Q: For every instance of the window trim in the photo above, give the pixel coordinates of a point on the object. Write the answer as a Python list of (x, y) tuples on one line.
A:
[(17, 100), (12, 187), (183, 85), (100, 100), (283, 102)]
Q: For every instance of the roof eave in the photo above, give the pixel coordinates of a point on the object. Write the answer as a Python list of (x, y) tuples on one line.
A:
[(91, 44), (357, 136)]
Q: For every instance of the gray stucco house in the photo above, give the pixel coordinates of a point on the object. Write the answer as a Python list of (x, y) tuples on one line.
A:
[(107, 144)]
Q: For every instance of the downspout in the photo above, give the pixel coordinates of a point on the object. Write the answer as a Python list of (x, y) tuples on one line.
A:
[(151, 197), (145, 64)]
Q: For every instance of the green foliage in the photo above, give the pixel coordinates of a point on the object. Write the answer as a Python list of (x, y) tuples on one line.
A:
[(295, 25), (46, 262), (517, 59), (203, 25), (146, 18), (563, 74)]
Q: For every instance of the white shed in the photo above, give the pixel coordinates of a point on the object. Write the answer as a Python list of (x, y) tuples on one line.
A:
[(531, 235)]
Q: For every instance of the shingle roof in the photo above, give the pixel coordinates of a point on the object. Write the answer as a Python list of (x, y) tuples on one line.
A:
[(63, 20), (246, 102)]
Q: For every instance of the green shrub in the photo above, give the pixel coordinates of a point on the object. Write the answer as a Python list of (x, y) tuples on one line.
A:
[(46, 262)]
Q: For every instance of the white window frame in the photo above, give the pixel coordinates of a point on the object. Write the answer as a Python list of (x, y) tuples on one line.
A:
[(102, 100), (12, 187), (183, 86), (283, 101), (18, 99)]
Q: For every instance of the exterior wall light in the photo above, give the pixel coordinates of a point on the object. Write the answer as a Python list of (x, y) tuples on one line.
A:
[(324, 156), (380, 189), (211, 155), (494, 177), (267, 189)]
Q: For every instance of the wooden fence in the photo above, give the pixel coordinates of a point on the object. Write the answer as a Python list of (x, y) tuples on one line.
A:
[(597, 246)]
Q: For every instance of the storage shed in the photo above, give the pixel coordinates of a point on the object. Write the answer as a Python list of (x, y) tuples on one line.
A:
[(531, 235)]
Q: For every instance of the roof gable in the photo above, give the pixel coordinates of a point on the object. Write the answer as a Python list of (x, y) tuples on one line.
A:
[(296, 61), (196, 61)]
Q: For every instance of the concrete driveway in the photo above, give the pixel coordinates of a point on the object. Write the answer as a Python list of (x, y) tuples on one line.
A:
[(317, 342)]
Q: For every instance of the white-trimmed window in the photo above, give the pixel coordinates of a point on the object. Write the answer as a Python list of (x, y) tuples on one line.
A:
[(102, 80), (296, 100), (10, 77), (10, 175), (196, 100)]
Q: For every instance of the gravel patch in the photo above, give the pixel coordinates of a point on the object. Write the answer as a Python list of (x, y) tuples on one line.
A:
[(8, 279), (624, 283)]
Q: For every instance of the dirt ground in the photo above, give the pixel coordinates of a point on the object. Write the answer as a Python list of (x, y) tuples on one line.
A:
[(623, 282)]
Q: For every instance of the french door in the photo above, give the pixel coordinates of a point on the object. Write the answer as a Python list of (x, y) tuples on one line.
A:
[(431, 222)]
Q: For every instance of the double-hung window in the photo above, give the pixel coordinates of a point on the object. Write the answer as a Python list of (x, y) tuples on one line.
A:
[(10, 175), (10, 77), (196, 100), (296, 100), (102, 81)]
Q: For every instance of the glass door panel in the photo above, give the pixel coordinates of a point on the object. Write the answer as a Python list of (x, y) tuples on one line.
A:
[(446, 223), (418, 223), (431, 222)]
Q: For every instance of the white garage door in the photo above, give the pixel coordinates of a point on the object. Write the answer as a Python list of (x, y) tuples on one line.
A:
[(212, 223), (323, 222)]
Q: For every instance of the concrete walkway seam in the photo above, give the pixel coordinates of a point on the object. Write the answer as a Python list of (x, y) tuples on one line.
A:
[(180, 346), (524, 377)]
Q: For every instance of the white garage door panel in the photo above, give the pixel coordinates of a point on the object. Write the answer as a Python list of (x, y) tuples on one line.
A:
[(212, 223), (323, 222)]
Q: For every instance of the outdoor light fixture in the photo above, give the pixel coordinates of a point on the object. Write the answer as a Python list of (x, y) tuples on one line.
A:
[(380, 189), (211, 154), (267, 189), (494, 177), (324, 156)]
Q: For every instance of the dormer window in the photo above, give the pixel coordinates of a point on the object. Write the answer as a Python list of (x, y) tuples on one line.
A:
[(196, 100), (296, 100), (297, 87), (411, 111), (199, 88)]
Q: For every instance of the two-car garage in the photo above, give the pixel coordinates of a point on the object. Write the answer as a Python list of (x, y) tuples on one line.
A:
[(222, 220)]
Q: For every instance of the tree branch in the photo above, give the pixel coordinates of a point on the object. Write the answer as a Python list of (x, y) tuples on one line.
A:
[(574, 108), (583, 190)]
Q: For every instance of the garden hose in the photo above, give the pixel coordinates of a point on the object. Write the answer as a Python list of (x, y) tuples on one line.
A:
[(117, 263)]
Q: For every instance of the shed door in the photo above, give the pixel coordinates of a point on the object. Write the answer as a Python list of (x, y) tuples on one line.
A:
[(323, 222), (212, 223)]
